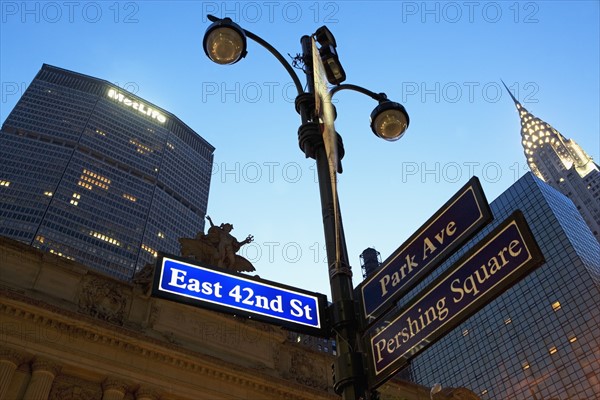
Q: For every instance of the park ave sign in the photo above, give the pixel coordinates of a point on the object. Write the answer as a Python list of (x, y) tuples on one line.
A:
[(501, 259), (451, 226)]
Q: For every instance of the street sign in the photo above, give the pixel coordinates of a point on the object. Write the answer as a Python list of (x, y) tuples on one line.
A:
[(502, 258), (451, 226), (188, 282)]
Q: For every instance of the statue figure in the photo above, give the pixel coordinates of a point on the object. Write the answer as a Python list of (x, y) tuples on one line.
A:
[(217, 248), (143, 277)]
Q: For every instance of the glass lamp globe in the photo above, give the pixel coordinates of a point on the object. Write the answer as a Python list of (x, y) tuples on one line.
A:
[(225, 42), (389, 120)]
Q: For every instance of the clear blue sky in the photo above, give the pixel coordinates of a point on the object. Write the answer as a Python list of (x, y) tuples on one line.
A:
[(442, 60)]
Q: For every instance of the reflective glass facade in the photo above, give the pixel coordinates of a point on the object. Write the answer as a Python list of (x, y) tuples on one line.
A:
[(96, 174), (540, 339)]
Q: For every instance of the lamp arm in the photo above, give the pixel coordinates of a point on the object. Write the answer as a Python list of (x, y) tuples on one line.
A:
[(347, 86), (279, 57), (273, 51)]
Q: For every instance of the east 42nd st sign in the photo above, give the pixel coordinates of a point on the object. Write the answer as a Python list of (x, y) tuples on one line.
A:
[(185, 281)]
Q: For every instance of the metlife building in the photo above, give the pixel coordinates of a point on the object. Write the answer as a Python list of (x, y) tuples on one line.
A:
[(96, 174)]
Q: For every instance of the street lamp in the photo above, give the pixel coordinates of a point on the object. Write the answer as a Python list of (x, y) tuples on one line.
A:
[(389, 120), (225, 43)]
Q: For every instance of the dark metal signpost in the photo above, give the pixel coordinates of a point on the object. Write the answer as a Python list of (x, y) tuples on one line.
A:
[(502, 258), (185, 281), (497, 262), (450, 227)]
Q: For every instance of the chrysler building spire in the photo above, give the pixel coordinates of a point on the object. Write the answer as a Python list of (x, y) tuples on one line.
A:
[(561, 163), (535, 134)]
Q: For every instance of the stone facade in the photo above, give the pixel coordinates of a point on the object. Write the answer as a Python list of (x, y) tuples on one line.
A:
[(68, 333)]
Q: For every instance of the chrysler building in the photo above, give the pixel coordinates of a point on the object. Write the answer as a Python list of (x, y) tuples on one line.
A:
[(563, 164)]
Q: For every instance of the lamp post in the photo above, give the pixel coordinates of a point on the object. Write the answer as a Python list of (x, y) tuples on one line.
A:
[(225, 43)]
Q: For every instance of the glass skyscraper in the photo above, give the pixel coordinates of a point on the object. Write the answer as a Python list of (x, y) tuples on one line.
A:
[(540, 339), (96, 174)]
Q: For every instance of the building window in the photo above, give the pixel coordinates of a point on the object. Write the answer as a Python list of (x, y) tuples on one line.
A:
[(129, 197), (61, 254), (89, 178), (150, 250), (140, 148), (75, 199), (105, 238)]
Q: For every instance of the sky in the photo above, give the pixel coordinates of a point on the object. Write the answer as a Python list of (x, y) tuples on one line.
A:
[(443, 61)]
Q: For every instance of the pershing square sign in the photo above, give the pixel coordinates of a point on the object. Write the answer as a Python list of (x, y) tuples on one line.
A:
[(496, 263)]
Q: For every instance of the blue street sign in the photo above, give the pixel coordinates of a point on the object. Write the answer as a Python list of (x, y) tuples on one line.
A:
[(451, 226), (233, 293), (502, 258)]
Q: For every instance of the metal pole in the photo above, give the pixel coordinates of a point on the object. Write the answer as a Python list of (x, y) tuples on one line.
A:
[(349, 370), (350, 379)]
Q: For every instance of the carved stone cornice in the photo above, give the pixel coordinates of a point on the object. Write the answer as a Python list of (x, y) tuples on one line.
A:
[(102, 299), (305, 371), (138, 344), (71, 388)]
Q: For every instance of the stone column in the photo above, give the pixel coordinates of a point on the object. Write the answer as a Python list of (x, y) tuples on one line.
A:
[(10, 359), (147, 393), (113, 389), (42, 375)]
